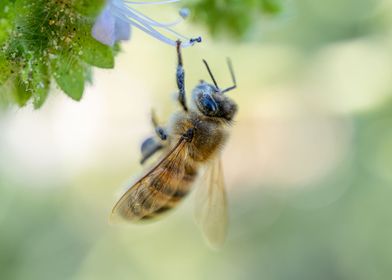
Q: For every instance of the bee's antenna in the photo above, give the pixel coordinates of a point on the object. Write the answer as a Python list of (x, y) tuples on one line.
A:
[(209, 72), (232, 77)]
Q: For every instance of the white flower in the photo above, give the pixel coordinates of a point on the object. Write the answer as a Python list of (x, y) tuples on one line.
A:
[(115, 22)]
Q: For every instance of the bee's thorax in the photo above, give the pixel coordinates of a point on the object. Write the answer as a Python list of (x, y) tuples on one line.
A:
[(209, 134)]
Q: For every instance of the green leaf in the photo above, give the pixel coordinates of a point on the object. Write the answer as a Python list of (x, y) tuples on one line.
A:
[(7, 9), (5, 30), (70, 76), (35, 79), (40, 85), (44, 40), (88, 7), (271, 6), (96, 54), (20, 92), (5, 69), (232, 16)]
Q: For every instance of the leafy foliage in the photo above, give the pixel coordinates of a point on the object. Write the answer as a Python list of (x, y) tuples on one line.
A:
[(234, 16), (48, 42), (45, 39)]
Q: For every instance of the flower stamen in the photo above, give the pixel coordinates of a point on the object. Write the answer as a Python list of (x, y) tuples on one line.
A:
[(132, 12), (119, 13)]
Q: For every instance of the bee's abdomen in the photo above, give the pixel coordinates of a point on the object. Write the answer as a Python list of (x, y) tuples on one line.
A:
[(168, 189)]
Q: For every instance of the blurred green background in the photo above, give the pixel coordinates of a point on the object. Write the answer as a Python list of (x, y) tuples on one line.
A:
[(308, 165)]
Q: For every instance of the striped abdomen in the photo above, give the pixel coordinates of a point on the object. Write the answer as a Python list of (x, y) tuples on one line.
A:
[(160, 189), (170, 191)]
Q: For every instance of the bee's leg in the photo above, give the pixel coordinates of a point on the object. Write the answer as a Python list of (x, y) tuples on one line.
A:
[(149, 147), (160, 131), (152, 145), (180, 75)]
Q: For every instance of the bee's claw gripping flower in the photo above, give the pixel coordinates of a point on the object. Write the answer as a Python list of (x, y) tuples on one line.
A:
[(195, 40), (115, 22)]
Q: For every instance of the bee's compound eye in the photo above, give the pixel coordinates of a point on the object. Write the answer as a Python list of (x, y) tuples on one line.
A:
[(208, 103)]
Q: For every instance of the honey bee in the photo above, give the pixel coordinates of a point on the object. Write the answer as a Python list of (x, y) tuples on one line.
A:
[(191, 142)]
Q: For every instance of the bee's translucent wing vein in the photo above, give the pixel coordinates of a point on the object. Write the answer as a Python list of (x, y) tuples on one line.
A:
[(211, 204), (152, 191)]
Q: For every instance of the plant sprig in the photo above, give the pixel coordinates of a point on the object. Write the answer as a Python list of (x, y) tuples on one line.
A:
[(233, 16), (44, 41), (49, 43)]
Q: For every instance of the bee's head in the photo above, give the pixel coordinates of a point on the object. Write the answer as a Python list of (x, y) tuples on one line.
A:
[(211, 101)]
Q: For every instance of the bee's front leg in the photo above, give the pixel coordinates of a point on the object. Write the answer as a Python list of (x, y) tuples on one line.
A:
[(152, 145), (180, 76), (159, 130)]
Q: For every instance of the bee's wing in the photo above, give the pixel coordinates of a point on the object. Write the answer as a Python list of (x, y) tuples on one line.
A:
[(152, 194), (211, 204)]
